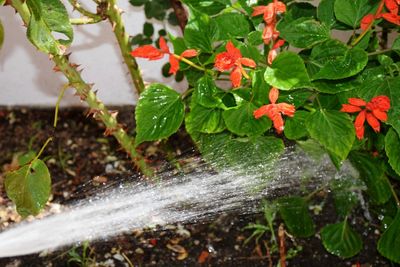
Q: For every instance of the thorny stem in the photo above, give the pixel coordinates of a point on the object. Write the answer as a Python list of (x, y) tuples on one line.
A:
[(84, 21), (77, 6), (359, 38), (114, 16), (86, 93)]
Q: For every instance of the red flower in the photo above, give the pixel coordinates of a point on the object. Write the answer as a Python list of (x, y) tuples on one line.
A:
[(391, 5), (270, 12), (374, 111), (274, 51), (366, 21), (232, 58), (275, 111), (152, 53)]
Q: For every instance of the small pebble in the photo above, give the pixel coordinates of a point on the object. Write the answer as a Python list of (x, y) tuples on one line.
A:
[(196, 242), (119, 257), (139, 251)]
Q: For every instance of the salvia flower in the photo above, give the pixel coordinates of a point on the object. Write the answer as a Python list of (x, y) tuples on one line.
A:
[(275, 111), (272, 54), (392, 16), (152, 53), (270, 13), (373, 111), (233, 60)]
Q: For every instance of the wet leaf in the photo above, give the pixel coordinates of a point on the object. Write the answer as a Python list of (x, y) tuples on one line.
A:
[(29, 187), (340, 240), (351, 12), (232, 25), (388, 244), (206, 93), (332, 129), (159, 113), (304, 32), (240, 120), (295, 127), (392, 148), (287, 72), (204, 120), (294, 212)]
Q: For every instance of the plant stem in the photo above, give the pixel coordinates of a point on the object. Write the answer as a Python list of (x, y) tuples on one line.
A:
[(84, 21), (190, 63), (43, 148), (114, 16), (77, 6), (64, 87), (359, 38), (180, 13), (85, 92), (380, 52)]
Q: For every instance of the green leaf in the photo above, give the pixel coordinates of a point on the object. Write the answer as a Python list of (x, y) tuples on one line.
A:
[(1, 34), (148, 29), (325, 12), (392, 147), (304, 32), (287, 72), (295, 127), (333, 129), (232, 25), (29, 187), (300, 10), (335, 86), (294, 212), (340, 240), (351, 12), (199, 33), (372, 173), (26, 158), (260, 88), (49, 17), (240, 120), (255, 38), (206, 6), (345, 194), (333, 60), (388, 244), (204, 120), (206, 93), (138, 2), (159, 113), (155, 9)]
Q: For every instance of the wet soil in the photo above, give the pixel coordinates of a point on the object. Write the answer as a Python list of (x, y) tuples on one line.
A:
[(83, 161)]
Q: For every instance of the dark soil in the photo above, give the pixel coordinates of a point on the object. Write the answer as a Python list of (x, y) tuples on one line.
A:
[(82, 161)]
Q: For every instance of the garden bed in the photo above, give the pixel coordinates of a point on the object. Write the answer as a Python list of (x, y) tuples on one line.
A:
[(82, 161)]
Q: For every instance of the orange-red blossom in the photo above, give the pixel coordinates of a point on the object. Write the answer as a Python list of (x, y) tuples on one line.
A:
[(233, 59), (152, 53), (374, 111), (392, 16), (275, 111)]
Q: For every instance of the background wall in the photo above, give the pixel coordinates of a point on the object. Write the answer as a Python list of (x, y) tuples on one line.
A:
[(27, 78)]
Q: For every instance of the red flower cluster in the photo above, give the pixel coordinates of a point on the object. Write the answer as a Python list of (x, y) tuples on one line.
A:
[(392, 16), (152, 53), (275, 111), (374, 111), (233, 59), (270, 32)]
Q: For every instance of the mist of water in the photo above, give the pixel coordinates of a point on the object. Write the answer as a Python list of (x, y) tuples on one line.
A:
[(178, 199)]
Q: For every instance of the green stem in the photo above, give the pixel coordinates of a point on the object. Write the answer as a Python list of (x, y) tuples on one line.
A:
[(114, 16), (84, 21), (396, 198), (77, 6), (86, 93), (194, 65), (65, 87), (380, 52), (43, 148)]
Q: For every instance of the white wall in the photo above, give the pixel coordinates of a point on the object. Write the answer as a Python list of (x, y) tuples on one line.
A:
[(27, 78)]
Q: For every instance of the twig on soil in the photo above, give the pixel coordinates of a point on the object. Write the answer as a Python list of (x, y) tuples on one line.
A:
[(282, 250)]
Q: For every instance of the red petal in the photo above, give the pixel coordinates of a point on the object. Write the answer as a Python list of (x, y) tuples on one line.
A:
[(147, 51), (233, 51), (360, 132), (223, 61), (381, 102), (163, 45), (278, 44), (272, 54), (236, 77), (286, 109), (248, 62), (366, 21), (373, 122), (258, 10), (262, 111), (270, 14), (273, 95), (189, 53), (280, 7), (174, 62), (359, 124), (268, 33), (357, 102), (392, 6), (350, 108), (393, 18), (278, 122), (380, 115)]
